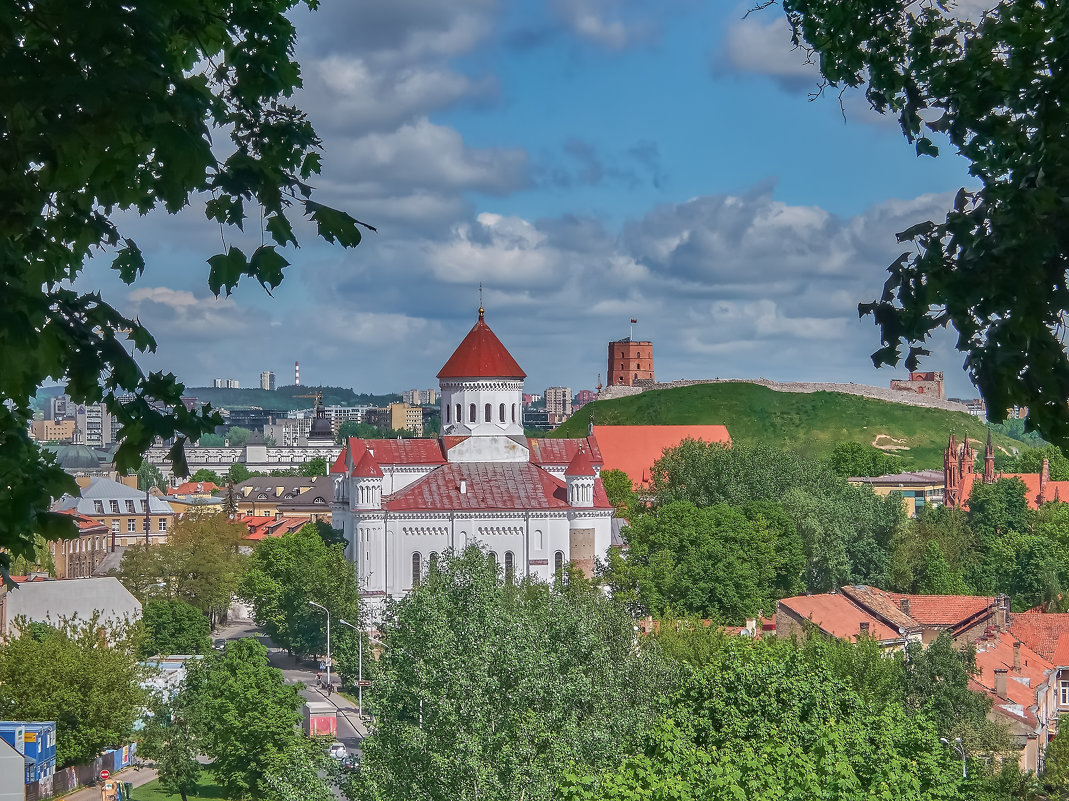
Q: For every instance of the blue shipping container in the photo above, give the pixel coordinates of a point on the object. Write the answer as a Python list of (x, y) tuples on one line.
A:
[(36, 741)]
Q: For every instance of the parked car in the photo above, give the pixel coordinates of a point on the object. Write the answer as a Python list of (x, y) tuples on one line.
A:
[(350, 764), (338, 750), (219, 645)]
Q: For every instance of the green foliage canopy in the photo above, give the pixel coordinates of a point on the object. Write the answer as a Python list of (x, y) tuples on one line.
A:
[(138, 98), (174, 627), (995, 268), (855, 459)]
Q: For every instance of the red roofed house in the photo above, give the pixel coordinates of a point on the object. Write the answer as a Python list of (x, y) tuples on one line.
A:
[(77, 558), (534, 505), (634, 449), (1048, 636)]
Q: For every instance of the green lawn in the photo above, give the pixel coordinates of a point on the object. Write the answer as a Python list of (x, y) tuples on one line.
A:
[(808, 423), (152, 792)]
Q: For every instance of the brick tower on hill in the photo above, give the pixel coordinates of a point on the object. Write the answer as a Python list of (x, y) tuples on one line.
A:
[(630, 363)]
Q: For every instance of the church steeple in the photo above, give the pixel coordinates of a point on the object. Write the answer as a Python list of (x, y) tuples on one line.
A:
[(989, 461)]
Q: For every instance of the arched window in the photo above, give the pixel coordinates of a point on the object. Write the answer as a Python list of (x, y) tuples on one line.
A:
[(448, 408), (558, 565), (433, 562), (460, 417), (510, 566), (501, 413), (539, 544), (514, 412), (487, 413), (417, 569), (471, 413), (492, 556)]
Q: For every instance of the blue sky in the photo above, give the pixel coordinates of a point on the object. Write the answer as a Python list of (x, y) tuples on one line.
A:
[(587, 161)]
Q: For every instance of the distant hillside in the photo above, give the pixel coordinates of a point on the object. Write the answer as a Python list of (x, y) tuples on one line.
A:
[(284, 397), (808, 423)]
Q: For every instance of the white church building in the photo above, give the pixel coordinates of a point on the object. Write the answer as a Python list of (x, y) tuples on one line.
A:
[(532, 504)]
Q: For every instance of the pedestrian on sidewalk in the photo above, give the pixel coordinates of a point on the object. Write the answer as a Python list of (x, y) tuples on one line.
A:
[(319, 679)]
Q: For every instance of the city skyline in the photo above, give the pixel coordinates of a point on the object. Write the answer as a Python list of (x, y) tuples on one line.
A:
[(588, 163)]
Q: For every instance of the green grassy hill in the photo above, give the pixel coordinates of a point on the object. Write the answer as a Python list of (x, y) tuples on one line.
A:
[(809, 423)]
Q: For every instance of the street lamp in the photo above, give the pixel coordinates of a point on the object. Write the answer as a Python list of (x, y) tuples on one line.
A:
[(320, 606), (957, 746), (359, 665)]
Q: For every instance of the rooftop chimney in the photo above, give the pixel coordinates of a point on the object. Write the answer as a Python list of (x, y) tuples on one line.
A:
[(1017, 656), (904, 603), (463, 487), (864, 628), (1000, 682)]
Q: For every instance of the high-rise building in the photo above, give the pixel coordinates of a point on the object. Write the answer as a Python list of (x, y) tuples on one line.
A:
[(226, 383), (630, 363), (267, 380), (558, 403)]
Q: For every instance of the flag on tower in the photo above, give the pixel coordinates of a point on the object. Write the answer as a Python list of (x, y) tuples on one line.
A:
[(633, 321)]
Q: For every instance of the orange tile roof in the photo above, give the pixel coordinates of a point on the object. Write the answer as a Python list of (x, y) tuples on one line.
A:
[(880, 603), (191, 487), (997, 653), (634, 449), (944, 610), (86, 525), (1046, 634), (1056, 490), (838, 616)]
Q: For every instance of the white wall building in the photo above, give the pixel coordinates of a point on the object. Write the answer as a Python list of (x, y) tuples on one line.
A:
[(533, 505)]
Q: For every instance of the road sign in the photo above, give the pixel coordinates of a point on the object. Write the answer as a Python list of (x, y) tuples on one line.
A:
[(363, 683), (105, 775)]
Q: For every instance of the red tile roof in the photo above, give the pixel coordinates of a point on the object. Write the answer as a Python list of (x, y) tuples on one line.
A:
[(1056, 490), (838, 616), (634, 449), (339, 463), (481, 355), (944, 610), (556, 451), (86, 525), (367, 467), (401, 451), (581, 465), (261, 526), (488, 486), (997, 653), (194, 487), (1046, 634)]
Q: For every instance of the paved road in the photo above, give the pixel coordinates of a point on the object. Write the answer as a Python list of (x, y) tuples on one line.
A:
[(350, 729)]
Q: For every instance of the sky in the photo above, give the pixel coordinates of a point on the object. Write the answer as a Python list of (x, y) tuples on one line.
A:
[(586, 161)]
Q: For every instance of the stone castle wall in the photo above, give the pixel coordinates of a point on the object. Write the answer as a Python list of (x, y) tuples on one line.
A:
[(863, 390)]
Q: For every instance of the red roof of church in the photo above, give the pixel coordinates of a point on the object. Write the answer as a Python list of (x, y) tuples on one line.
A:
[(481, 355), (634, 449), (561, 451), (581, 465), (367, 467), (1056, 490), (404, 451), (339, 463), (488, 486)]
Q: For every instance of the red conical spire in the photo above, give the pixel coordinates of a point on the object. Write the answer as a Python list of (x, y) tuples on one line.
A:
[(481, 355), (581, 464)]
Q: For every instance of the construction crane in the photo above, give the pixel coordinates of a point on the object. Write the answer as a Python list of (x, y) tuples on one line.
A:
[(317, 396)]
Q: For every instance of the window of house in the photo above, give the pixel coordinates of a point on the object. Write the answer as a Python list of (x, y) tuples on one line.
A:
[(417, 568), (1063, 693), (471, 413), (114, 526), (262, 496), (514, 412), (487, 413), (163, 524), (558, 564), (114, 507), (448, 409), (131, 525), (510, 566), (501, 413), (98, 507), (130, 507)]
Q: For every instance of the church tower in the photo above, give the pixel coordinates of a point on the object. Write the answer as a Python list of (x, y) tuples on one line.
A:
[(482, 389)]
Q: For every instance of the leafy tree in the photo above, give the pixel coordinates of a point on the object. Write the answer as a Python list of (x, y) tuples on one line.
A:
[(995, 268), (936, 682), (1056, 767), (1030, 460), (89, 684), (211, 441), (149, 476), (200, 564), (176, 761), (621, 492), (243, 715), (936, 577), (40, 562), (174, 627), (204, 475), (1028, 567), (313, 467), (330, 536), (999, 507), (491, 689), (855, 459), (230, 501), (238, 473), (712, 562), (238, 436), (946, 527), (132, 122), (284, 574)]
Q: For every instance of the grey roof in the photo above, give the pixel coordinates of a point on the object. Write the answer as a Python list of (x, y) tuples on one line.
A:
[(78, 457), (52, 601), (104, 489)]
